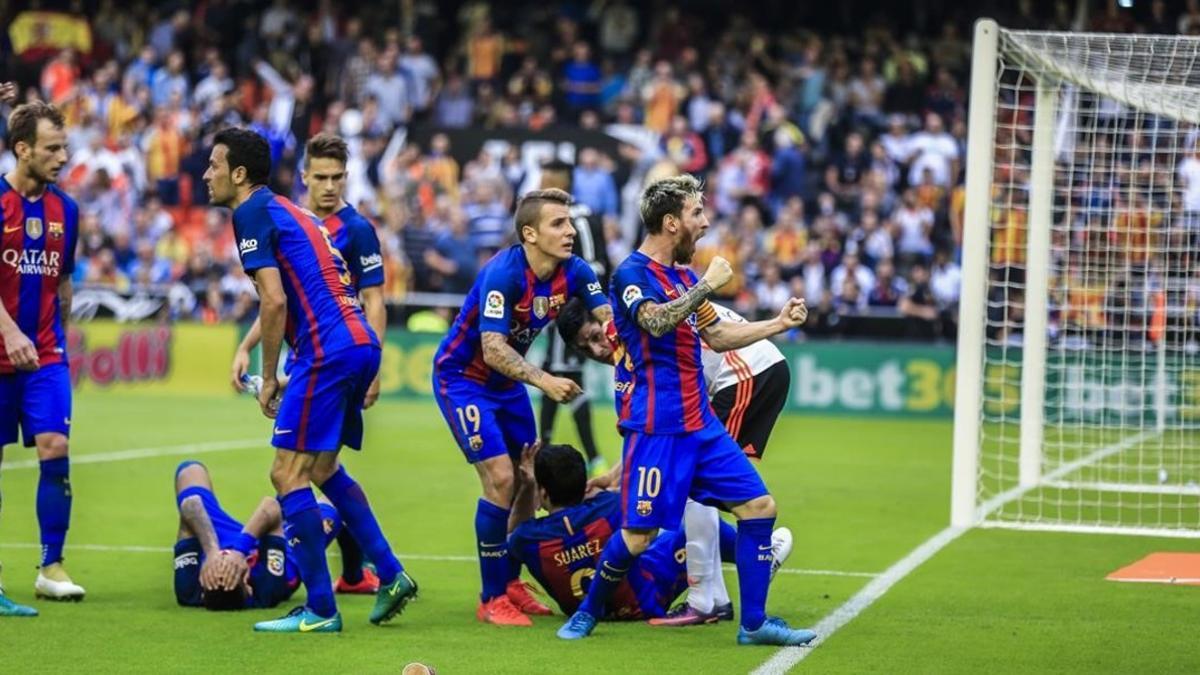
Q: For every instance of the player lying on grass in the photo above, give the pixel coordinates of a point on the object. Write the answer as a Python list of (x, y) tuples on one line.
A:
[(748, 388), (221, 564), (561, 548)]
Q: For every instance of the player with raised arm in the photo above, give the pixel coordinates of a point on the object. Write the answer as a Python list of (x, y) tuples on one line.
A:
[(479, 372), (748, 388), (324, 174), (305, 295), (674, 446), (37, 258), (221, 564), (560, 549)]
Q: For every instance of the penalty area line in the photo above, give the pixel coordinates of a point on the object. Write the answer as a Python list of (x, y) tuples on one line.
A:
[(144, 453)]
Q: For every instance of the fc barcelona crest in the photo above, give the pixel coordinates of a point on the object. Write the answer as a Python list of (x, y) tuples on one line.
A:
[(541, 305), (54, 229), (33, 227)]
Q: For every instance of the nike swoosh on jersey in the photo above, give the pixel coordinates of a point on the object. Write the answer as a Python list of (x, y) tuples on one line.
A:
[(307, 627), (14, 228), (282, 431)]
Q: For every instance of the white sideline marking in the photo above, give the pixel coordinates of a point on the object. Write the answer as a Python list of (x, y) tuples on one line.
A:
[(404, 556), (787, 657), (143, 453)]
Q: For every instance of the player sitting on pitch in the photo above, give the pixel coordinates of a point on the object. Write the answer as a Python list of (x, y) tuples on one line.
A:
[(561, 548), (221, 564)]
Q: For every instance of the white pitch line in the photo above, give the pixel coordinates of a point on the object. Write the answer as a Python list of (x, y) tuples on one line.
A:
[(104, 548), (787, 657), (143, 453)]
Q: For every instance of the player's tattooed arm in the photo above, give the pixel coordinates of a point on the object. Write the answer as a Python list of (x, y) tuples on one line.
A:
[(195, 517), (502, 358), (660, 319), (267, 518), (525, 501)]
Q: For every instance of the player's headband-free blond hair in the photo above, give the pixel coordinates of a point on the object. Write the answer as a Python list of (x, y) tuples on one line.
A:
[(667, 197)]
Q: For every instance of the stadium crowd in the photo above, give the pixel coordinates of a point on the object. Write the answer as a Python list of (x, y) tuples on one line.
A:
[(833, 161)]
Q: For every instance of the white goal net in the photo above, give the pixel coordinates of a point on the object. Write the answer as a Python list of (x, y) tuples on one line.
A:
[(1079, 344)]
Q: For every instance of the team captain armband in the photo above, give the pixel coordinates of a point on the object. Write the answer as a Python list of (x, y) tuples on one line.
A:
[(706, 316)]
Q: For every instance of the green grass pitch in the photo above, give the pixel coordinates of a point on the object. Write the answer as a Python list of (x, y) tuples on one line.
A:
[(858, 494)]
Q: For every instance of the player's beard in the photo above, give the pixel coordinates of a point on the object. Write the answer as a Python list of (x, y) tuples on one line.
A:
[(45, 177), (684, 250)]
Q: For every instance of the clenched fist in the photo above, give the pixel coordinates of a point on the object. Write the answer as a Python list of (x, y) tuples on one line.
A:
[(718, 273), (794, 313)]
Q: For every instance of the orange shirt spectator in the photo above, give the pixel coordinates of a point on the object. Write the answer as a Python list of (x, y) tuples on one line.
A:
[(59, 77), (1008, 235), (165, 147), (484, 52), (661, 97)]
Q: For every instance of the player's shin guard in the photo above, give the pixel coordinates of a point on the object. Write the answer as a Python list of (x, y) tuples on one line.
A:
[(54, 507), (350, 501), (491, 536), (754, 558), (611, 568), (302, 527)]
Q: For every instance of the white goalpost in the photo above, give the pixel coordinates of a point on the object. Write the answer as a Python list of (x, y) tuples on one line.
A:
[(1077, 405)]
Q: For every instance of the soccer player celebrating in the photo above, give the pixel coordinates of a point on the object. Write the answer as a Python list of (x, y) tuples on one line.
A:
[(37, 257), (305, 291), (674, 446), (480, 367), (221, 564), (324, 174), (748, 389), (560, 549)]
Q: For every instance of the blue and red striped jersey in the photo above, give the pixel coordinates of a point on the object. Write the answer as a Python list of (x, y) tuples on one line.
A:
[(508, 298), (37, 250), (666, 375), (354, 235), (561, 549), (324, 316)]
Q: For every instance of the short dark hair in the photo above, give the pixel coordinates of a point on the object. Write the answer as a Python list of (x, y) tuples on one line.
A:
[(561, 168), (249, 150), (666, 197), (561, 472), (23, 122), (571, 319), (529, 208), (221, 600), (327, 146)]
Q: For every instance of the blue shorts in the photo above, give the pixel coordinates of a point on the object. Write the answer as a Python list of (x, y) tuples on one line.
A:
[(486, 423), (39, 402), (273, 574), (662, 470), (321, 408)]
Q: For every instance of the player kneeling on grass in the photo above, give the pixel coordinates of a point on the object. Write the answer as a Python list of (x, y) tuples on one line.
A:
[(561, 548), (748, 388), (221, 564)]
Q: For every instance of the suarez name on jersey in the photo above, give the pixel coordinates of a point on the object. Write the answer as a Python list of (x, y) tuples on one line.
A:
[(665, 374), (508, 298), (323, 312), (37, 252)]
